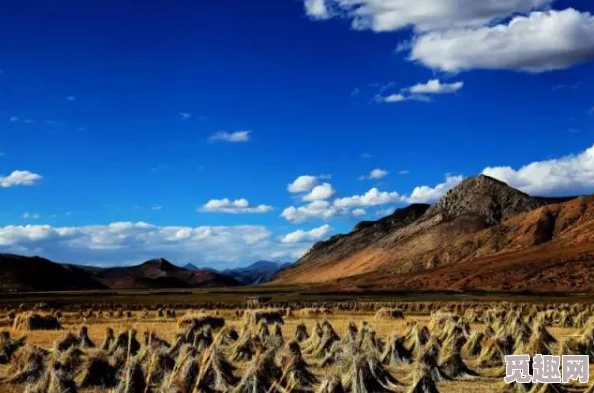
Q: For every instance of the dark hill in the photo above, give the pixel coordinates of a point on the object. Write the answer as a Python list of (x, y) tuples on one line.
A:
[(20, 273), (160, 273)]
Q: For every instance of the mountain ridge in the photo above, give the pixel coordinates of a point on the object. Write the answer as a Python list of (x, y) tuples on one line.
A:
[(258, 272), (414, 243), (15, 275)]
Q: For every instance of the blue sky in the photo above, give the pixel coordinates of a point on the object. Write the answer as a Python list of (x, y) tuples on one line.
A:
[(175, 130)]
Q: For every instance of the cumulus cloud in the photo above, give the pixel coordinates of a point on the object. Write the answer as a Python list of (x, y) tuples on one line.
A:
[(311, 235), (19, 178), (320, 193), (313, 210), (423, 15), (316, 9), (359, 212), (569, 175), (375, 174), (355, 205), (127, 242), (373, 197), (427, 194), (232, 137), (303, 183), (539, 42), (434, 86), (237, 206)]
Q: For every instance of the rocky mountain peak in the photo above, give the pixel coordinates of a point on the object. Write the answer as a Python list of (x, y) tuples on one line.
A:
[(486, 197)]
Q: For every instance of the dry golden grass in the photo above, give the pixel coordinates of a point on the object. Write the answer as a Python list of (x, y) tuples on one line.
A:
[(166, 328)]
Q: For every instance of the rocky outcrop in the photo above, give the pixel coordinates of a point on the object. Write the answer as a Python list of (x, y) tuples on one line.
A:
[(488, 198)]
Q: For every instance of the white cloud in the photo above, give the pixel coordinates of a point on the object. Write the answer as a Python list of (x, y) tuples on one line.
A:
[(234, 207), (375, 174), (434, 86), (423, 15), (427, 194), (185, 115), (302, 236), (569, 175), (359, 212), (126, 242), (313, 210), (404, 172), (393, 98), (233, 137), (373, 197), (316, 9), (33, 216), (420, 92), (303, 183), (292, 254), (541, 41), (20, 178), (320, 193), (13, 119), (157, 208), (347, 207)]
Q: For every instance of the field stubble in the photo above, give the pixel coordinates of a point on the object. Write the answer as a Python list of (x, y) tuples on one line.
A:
[(489, 380)]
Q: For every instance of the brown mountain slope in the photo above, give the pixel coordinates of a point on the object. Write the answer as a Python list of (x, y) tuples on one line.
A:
[(545, 250), (417, 238)]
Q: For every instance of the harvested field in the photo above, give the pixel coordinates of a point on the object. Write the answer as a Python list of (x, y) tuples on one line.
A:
[(442, 347)]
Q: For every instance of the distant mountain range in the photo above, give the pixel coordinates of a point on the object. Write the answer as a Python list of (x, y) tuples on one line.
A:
[(19, 273), (32, 274), (258, 272)]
